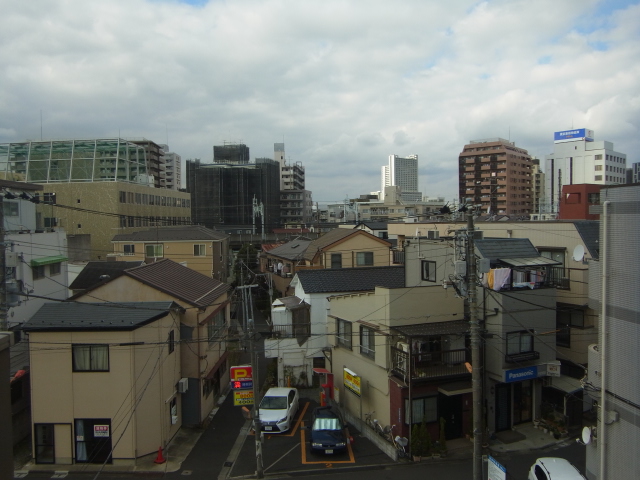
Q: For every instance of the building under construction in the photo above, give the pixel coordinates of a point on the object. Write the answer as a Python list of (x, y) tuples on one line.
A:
[(222, 194), (231, 153)]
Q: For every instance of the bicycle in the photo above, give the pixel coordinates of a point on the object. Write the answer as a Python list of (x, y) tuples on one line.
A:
[(374, 424), (400, 443)]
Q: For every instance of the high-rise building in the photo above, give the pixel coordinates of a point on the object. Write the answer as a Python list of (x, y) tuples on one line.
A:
[(537, 190), (232, 153), (496, 174), (295, 201), (402, 172), (155, 161), (173, 168), (577, 159), (222, 195)]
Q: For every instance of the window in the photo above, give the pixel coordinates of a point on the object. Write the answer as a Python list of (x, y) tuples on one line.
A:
[(199, 250), (598, 168), (343, 333), (154, 250), (129, 249), (50, 222), (364, 259), (368, 342), (173, 410), (539, 473), (599, 157), (44, 443), (593, 198), (424, 409), (598, 178), (428, 271), (90, 358), (214, 326), (10, 209), (54, 269), (519, 342), (172, 341), (38, 272), (336, 260)]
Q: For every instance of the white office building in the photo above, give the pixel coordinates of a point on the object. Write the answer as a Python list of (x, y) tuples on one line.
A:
[(402, 172), (577, 158)]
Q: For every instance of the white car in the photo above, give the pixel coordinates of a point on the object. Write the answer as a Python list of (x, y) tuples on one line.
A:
[(278, 409), (552, 468)]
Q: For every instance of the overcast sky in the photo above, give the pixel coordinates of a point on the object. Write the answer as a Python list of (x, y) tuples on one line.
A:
[(343, 83)]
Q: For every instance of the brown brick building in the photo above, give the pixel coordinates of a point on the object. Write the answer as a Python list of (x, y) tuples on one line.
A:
[(496, 174)]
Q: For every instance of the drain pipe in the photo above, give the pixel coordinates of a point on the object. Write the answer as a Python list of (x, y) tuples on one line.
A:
[(603, 348)]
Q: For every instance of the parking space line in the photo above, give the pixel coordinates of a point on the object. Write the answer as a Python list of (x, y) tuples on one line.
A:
[(328, 462)]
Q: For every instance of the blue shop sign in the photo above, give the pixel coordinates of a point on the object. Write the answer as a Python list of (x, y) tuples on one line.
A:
[(519, 374)]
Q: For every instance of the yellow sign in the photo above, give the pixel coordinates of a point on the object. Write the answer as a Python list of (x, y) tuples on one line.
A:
[(352, 381), (242, 397)]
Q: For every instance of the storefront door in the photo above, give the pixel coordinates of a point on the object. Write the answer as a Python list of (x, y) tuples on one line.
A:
[(503, 406), (450, 408), (522, 402), (93, 440)]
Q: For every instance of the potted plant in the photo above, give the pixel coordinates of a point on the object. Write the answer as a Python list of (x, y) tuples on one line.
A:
[(442, 442), (425, 439)]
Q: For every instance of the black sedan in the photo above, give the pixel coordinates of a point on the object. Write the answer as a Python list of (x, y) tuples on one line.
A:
[(327, 432)]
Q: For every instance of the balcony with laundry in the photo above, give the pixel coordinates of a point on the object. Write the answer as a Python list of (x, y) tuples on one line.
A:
[(430, 350), (506, 264)]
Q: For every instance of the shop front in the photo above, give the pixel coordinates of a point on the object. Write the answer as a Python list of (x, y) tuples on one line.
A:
[(512, 401)]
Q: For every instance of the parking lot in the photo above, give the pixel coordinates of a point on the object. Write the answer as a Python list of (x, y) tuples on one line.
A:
[(290, 451)]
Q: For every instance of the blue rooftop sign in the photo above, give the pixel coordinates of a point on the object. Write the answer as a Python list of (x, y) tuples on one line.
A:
[(572, 135)]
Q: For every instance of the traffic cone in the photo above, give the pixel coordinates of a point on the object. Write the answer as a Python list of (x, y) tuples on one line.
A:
[(160, 458)]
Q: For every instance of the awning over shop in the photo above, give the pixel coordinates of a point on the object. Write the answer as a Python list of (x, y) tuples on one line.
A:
[(566, 384), (456, 388), (529, 261), (438, 328), (38, 262)]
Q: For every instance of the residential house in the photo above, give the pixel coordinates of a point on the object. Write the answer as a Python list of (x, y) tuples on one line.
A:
[(299, 336), (201, 249), (95, 273), (338, 248), (104, 380), (203, 327)]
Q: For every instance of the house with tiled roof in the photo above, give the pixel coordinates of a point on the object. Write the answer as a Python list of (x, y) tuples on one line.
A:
[(203, 326), (95, 273), (105, 381), (201, 249), (337, 249), (299, 335)]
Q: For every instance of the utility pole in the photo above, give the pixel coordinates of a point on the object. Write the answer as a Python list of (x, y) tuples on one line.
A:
[(4, 326), (476, 372), (247, 302)]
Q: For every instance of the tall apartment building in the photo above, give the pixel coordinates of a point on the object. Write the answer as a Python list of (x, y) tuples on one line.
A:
[(232, 153), (173, 168), (496, 174), (295, 201), (223, 194), (154, 156), (402, 172), (576, 159), (537, 191)]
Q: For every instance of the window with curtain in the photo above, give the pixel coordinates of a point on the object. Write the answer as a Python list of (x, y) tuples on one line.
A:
[(519, 342), (90, 358), (199, 250), (428, 271), (424, 409), (367, 342), (343, 333), (154, 250)]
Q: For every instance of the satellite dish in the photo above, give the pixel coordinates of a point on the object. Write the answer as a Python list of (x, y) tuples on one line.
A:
[(586, 435), (578, 253)]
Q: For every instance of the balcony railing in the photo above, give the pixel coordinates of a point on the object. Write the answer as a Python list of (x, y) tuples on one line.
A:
[(521, 357), (290, 330), (444, 363)]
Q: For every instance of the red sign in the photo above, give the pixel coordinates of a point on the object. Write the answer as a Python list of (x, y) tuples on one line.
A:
[(243, 372)]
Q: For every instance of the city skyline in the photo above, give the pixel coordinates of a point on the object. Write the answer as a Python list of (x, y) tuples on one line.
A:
[(343, 88)]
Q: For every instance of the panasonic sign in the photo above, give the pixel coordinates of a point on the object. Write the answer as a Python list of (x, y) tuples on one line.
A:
[(520, 374)]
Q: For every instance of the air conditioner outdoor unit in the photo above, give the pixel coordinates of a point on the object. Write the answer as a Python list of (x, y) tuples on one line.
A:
[(183, 385), (403, 346), (433, 234)]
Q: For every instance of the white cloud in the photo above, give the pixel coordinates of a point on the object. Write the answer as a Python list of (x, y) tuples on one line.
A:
[(345, 83)]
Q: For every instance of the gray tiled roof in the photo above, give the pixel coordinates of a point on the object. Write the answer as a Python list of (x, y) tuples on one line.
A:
[(495, 248), (374, 225), (291, 250), (179, 281), (167, 234), (91, 273), (351, 279), (589, 231), (96, 316), (332, 237)]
